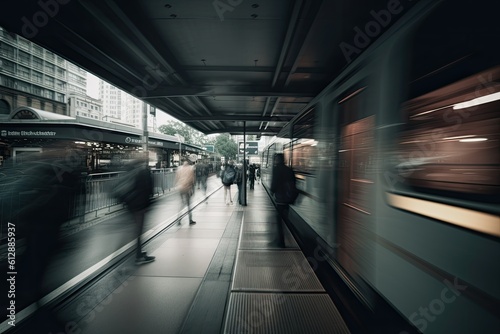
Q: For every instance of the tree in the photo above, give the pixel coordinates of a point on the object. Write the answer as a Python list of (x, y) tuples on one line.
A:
[(226, 146), (191, 136)]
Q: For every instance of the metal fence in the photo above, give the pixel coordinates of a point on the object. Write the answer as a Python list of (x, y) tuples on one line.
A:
[(94, 196)]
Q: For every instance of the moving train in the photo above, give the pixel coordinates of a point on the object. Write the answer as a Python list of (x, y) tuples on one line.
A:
[(398, 166)]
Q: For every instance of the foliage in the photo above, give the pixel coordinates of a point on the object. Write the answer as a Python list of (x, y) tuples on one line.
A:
[(223, 143), (226, 146), (191, 136)]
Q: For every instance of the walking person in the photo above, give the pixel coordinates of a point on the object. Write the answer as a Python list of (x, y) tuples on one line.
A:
[(251, 176), (227, 177), (47, 190), (185, 182), (204, 178), (137, 200), (199, 172), (285, 193), (239, 182)]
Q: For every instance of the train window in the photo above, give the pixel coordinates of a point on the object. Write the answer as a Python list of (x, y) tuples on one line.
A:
[(450, 143), (305, 156)]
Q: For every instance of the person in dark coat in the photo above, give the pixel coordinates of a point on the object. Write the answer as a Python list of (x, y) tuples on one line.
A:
[(239, 182), (251, 176), (138, 200), (281, 174), (47, 190)]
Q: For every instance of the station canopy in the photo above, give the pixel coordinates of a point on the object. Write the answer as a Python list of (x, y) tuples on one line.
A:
[(217, 65)]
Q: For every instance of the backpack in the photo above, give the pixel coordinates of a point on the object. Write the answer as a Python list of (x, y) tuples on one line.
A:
[(228, 176)]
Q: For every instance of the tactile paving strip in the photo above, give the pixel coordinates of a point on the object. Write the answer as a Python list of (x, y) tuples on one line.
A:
[(274, 271), (283, 313)]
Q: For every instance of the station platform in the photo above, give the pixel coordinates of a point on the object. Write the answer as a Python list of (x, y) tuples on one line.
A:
[(222, 275)]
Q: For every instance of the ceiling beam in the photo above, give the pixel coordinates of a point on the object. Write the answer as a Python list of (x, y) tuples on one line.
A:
[(249, 131), (238, 118), (290, 32), (253, 69), (223, 91)]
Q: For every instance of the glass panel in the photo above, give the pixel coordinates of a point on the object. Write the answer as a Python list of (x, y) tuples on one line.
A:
[(450, 144)]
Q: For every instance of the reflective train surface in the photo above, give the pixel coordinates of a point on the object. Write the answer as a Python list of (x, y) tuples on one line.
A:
[(398, 166)]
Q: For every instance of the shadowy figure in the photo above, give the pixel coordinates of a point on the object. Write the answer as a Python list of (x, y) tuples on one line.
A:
[(135, 189), (282, 174), (202, 176), (251, 176), (185, 181), (239, 182), (227, 177), (47, 194)]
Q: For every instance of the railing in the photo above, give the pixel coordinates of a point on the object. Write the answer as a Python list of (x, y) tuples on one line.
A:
[(94, 196), (98, 192)]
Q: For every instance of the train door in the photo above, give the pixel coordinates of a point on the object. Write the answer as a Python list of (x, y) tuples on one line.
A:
[(355, 180)]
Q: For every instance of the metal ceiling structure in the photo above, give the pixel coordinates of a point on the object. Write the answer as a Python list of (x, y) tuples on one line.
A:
[(217, 65)]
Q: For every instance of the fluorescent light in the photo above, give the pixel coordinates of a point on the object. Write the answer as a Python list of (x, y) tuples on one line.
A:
[(470, 140), (459, 137), (311, 142), (477, 101), (429, 111)]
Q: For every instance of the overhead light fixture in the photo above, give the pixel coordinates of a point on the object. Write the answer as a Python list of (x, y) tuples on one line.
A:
[(429, 111), (471, 140), (477, 101), (459, 137)]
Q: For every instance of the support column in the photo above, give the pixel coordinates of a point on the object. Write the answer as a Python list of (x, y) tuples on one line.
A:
[(145, 135), (244, 181)]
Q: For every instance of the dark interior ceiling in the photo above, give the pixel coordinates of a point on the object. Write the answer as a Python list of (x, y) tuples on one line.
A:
[(219, 66)]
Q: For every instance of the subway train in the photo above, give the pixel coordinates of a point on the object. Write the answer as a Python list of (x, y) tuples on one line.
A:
[(398, 166)]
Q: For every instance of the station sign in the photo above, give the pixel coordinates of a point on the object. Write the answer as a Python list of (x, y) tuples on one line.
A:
[(210, 148), (249, 147)]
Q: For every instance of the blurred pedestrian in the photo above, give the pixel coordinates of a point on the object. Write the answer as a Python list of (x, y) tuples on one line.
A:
[(227, 177), (137, 198), (202, 176), (283, 188), (47, 191), (185, 182), (251, 176), (239, 182), (198, 171)]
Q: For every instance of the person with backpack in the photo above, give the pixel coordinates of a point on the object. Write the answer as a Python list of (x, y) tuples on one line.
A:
[(227, 177), (285, 192)]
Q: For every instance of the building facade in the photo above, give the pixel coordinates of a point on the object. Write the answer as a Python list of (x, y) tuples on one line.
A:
[(33, 76), (84, 106)]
